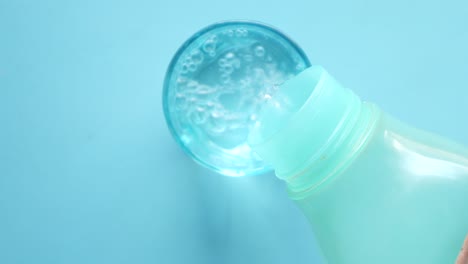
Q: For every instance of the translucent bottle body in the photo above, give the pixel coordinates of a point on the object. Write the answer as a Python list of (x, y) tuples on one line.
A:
[(374, 189), (404, 199)]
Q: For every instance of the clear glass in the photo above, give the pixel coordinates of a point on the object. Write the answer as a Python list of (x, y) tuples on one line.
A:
[(214, 88)]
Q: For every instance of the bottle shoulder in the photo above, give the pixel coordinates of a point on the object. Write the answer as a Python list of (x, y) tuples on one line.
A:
[(403, 138), (402, 153), (397, 154)]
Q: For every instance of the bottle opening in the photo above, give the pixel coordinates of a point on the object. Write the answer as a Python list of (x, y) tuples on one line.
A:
[(308, 114), (279, 108)]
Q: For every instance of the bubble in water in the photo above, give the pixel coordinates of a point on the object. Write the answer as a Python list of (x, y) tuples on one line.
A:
[(205, 89), (216, 123), (192, 67), (222, 62), (181, 80), (180, 101), (259, 51), (208, 105), (192, 84), (184, 69), (192, 101), (197, 56), (227, 69), (209, 46), (199, 116), (241, 32), (204, 94), (229, 56)]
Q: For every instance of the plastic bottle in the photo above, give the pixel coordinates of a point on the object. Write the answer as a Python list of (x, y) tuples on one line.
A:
[(374, 189)]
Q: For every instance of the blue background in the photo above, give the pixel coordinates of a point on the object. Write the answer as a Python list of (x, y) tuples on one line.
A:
[(88, 170)]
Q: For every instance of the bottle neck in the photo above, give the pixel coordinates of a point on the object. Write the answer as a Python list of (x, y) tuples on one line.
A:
[(311, 129)]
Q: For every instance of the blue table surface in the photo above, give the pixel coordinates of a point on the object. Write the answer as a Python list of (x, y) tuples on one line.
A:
[(88, 170)]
